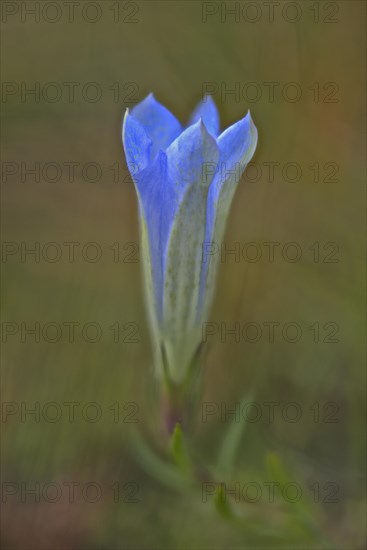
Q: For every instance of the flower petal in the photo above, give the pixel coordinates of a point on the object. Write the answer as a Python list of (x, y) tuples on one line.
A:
[(237, 145), (137, 144), (187, 157), (161, 126), (208, 112), (161, 187), (238, 142), (155, 213)]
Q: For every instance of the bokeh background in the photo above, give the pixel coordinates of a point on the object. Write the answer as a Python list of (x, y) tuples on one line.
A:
[(168, 47)]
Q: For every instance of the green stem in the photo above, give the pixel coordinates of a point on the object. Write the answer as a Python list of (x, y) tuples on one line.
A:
[(180, 399), (173, 407)]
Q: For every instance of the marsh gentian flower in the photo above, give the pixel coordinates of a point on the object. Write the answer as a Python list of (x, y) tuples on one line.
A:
[(185, 179)]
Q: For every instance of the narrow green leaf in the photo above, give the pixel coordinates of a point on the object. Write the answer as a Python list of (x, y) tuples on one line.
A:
[(159, 469), (179, 450), (275, 469), (231, 443), (222, 505)]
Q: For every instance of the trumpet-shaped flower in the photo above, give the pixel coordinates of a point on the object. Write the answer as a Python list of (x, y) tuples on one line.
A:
[(185, 179)]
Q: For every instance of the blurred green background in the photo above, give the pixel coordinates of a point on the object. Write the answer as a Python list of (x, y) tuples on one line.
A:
[(168, 48)]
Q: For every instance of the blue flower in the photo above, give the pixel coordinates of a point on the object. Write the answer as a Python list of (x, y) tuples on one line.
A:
[(185, 179)]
